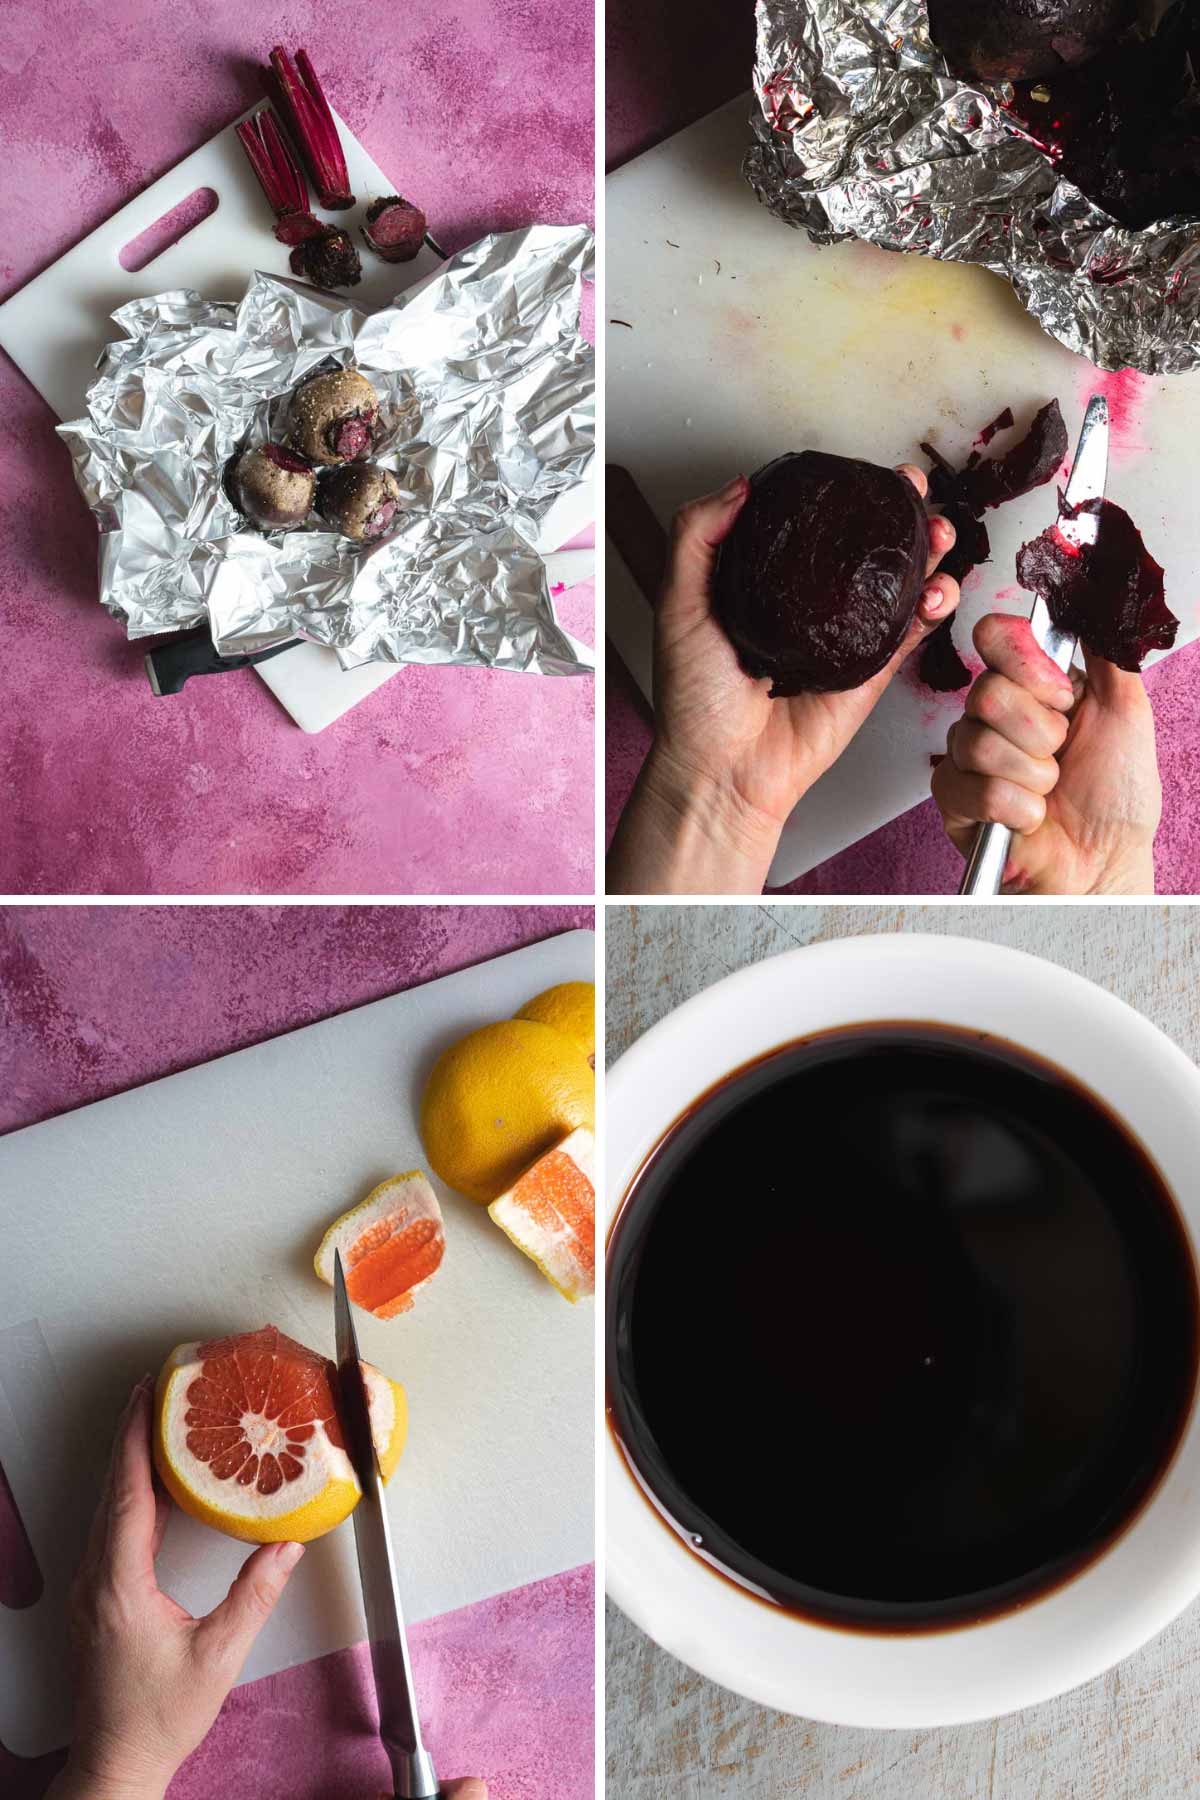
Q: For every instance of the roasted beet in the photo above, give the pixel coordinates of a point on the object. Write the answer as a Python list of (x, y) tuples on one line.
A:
[(332, 417), (359, 500), (271, 486), (1018, 40), (326, 257), (1108, 594), (819, 579), (1126, 130), (395, 228)]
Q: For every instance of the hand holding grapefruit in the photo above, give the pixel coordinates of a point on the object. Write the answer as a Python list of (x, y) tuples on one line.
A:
[(247, 1436)]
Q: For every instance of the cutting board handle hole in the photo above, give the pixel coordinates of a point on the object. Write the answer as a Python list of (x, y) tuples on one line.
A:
[(20, 1577), (150, 244)]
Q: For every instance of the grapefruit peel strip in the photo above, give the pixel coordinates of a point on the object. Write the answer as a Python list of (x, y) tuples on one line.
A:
[(392, 1244)]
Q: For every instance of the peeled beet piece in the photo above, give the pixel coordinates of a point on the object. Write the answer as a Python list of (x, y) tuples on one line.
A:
[(1018, 40), (963, 496), (1108, 594), (1037, 458), (819, 579)]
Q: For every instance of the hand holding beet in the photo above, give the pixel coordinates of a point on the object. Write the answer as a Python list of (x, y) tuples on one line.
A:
[(729, 763), (1067, 763)]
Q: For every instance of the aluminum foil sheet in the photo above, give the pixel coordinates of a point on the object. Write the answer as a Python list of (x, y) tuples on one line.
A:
[(863, 133), (487, 409)]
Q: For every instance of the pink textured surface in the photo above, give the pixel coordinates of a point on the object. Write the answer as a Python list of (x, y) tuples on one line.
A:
[(445, 781), (650, 96), (99, 999)]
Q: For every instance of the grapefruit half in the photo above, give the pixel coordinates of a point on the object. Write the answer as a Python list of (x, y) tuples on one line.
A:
[(247, 1436)]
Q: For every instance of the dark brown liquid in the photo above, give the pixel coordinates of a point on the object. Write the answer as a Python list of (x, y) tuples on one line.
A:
[(902, 1327)]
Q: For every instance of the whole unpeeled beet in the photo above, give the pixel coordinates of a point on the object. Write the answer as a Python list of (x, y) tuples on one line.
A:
[(819, 579), (1021, 40)]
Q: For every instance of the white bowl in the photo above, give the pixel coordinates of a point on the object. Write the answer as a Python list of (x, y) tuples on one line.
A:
[(1115, 1604)]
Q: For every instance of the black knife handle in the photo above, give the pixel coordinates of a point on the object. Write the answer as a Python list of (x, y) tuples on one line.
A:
[(171, 666)]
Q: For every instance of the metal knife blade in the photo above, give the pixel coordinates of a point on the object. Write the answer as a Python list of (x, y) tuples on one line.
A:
[(984, 873), (1089, 472), (413, 1775)]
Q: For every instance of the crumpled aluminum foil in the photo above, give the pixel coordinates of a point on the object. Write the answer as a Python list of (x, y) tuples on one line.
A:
[(487, 401), (863, 133)]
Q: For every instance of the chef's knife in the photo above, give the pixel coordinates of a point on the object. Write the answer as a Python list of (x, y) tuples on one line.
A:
[(413, 1776), (171, 666), (984, 872)]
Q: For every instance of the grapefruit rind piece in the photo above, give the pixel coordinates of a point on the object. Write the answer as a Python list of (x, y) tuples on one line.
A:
[(392, 1244), (550, 1214), (499, 1098), (247, 1439), (569, 1008)]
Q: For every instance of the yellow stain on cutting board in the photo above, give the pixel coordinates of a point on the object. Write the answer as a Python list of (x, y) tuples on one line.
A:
[(854, 301)]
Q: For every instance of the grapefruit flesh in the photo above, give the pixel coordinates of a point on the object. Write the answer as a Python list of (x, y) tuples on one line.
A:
[(247, 1436), (550, 1214), (392, 1245)]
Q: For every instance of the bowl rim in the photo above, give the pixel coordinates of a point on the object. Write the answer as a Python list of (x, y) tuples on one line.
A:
[(1107, 1610)]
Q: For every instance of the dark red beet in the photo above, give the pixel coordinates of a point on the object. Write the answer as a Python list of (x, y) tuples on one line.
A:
[(1017, 40), (395, 228), (1126, 130), (1002, 422), (329, 259), (271, 486), (819, 579), (297, 228), (1037, 458), (941, 667), (1108, 594)]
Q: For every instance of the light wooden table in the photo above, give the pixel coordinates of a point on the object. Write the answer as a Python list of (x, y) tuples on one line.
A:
[(671, 1735)]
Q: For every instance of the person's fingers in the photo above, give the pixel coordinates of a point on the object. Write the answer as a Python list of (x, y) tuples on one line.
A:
[(162, 1512), (917, 476), (968, 799), (471, 1789), (939, 598), (1117, 690), (1007, 644), (1011, 710), (228, 1631), (697, 533), (130, 1507), (942, 538), (979, 750)]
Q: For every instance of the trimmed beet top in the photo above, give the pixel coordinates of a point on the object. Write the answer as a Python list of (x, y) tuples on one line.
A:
[(1017, 40), (819, 579), (1109, 594)]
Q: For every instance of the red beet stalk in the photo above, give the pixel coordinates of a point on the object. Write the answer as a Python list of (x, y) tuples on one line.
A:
[(271, 159), (313, 128)]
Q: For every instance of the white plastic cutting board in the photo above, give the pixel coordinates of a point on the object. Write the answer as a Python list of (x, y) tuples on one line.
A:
[(742, 340), (55, 328), (192, 1207)]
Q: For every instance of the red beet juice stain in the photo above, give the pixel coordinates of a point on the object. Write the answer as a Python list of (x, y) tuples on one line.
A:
[(1125, 391)]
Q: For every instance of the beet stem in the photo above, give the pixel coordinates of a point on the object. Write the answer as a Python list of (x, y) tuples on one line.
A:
[(313, 127), (271, 158)]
